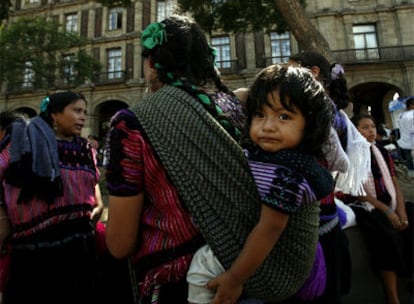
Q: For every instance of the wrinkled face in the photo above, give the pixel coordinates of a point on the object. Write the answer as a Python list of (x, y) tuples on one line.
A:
[(368, 129), (274, 128), (71, 120)]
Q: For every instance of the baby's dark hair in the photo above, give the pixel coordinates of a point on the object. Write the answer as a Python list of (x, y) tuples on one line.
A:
[(296, 87), (187, 61), (336, 86), (57, 103)]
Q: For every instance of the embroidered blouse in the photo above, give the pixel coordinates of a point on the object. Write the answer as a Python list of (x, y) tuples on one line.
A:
[(79, 176)]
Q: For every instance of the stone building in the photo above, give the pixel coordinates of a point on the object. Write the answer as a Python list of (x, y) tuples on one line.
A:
[(373, 39)]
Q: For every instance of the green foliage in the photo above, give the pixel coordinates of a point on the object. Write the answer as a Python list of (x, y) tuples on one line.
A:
[(44, 45), (236, 15)]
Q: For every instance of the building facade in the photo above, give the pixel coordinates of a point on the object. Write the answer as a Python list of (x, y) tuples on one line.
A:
[(373, 39)]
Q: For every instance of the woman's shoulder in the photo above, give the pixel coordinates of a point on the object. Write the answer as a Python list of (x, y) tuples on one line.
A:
[(126, 117), (230, 106)]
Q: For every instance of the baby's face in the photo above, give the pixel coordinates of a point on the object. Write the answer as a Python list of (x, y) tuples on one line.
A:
[(274, 128)]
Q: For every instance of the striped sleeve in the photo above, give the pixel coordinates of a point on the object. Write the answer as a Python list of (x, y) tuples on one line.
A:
[(280, 187), (124, 171)]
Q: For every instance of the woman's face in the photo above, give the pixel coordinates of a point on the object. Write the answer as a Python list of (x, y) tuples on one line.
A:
[(71, 120), (367, 129)]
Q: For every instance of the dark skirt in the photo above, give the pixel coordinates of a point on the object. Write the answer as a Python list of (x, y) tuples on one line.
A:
[(390, 249), (55, 266)]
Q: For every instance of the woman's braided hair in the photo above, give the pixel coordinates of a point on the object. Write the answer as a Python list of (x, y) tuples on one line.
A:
[(184, 59)]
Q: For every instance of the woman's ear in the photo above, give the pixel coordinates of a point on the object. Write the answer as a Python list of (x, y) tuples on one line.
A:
[(151, 62)]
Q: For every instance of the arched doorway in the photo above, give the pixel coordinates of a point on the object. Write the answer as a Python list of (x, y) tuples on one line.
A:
[(105, 111), (374, 97)]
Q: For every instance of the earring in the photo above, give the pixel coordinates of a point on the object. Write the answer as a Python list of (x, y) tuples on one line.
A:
[(54, 126)]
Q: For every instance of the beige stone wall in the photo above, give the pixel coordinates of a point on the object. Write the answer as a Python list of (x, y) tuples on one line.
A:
[(333, 18)]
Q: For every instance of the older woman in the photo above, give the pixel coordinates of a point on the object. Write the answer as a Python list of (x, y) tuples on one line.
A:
[(52, 201)]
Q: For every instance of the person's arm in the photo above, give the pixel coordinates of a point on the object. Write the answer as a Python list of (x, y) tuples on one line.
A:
[(336, 157), (258, 245), (98, 209), (400, 209), (125, 183), (242, 94), (124, 214), (392, 216)]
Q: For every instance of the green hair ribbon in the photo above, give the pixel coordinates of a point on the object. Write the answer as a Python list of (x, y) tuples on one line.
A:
[(154, 34), (213, 52), (44, 104)]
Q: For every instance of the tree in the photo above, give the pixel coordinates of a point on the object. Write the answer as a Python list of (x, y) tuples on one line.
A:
[(246, 16), (307, 36), (40, 50), (4, 9)]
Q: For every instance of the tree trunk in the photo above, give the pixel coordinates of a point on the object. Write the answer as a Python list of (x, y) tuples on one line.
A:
[(308, 37)]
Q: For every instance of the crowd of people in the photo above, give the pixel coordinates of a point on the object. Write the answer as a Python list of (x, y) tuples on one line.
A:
[(215, 196)]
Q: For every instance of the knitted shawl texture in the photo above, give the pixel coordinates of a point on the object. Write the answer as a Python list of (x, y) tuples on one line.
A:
[(213, 179)]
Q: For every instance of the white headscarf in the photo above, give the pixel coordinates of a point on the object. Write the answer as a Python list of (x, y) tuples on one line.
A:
[(359, 155)]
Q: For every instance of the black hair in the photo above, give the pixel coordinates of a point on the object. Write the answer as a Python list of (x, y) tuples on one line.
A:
[(7, 118), (309, 59), (297, 87), (409, 102), (58, 102), (336, 87), (357, 118), (187, 61)]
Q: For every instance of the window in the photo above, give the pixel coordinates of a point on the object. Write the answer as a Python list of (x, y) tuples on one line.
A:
[(115, 18), (365, 40), (222, 46), (165, 8), (71, 21), (31, 1), (28, 75), (114, 64), (280, 44), (68, 68)]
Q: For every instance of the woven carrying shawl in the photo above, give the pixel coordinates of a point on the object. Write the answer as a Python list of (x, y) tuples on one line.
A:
[(213, 179)]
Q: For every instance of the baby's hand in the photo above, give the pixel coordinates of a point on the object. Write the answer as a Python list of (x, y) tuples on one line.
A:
[(229, 288)]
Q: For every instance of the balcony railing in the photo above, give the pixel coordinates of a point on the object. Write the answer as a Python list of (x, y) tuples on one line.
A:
[(228, 66), (374, 55), (358, 56), (108, 77)]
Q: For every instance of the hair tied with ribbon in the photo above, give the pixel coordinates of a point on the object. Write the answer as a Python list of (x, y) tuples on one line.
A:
[(336, 71), (44, 104), (154, 34)]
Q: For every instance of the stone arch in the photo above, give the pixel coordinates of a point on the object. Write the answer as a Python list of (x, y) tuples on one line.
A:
[(104, 111), (376, 96)]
